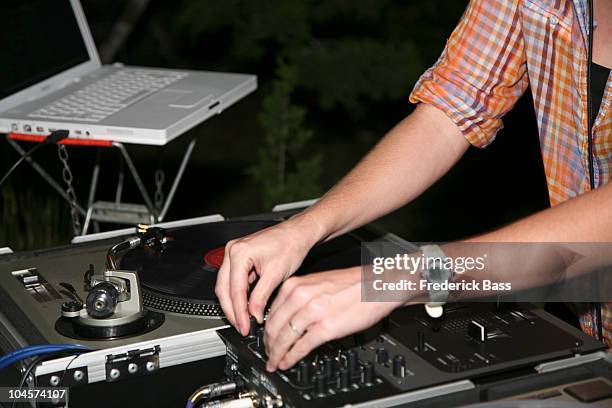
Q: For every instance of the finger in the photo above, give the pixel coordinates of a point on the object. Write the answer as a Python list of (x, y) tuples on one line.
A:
[(278, 320), (312, 339), (261, 293), (222, 288), (287, 336), (282, 343), (285, 290), (240, 269), (252, 277)]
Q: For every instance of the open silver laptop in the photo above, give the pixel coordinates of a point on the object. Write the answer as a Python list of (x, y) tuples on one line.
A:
[(51, 78)]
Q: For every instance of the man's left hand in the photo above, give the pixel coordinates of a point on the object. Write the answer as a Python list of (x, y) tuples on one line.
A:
[(313, 309)]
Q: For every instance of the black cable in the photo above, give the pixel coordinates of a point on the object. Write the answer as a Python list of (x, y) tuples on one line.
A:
[(29, 369), (53, 138), (35, 362), (21, 160)]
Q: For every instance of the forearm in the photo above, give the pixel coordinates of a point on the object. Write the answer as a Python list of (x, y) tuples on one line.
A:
[(563, 243), (410, 158), (569, 245), (587, 218)]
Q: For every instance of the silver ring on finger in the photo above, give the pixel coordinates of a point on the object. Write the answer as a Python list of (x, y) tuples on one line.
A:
[(295, 329)]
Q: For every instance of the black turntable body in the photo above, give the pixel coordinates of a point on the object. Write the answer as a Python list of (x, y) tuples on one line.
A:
[(143, 301)]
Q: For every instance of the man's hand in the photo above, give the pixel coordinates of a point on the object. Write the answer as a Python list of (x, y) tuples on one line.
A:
[(314, 309), (272, 255)]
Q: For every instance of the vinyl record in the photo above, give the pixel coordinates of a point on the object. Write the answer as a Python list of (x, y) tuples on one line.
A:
[(179, 269), (181, 278)]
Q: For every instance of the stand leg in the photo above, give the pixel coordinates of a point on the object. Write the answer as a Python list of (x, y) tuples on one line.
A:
[(92, 193), (177, 179), (119, 190), (46, 176), (137, 179)]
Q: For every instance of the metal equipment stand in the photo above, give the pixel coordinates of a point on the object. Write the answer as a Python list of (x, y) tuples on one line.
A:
[(115, 211)]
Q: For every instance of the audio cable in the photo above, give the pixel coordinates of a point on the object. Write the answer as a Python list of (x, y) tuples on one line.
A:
[(212, 391), (38, 350), (30, 369), (53, 138)]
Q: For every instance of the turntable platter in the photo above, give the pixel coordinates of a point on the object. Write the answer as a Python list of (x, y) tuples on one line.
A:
[(181, 277)]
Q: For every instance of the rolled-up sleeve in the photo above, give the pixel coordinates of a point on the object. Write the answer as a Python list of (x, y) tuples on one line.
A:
[(481, 72)]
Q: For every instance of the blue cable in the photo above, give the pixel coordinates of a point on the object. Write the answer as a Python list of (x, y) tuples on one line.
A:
[(44, 347), (31, 351), (27, 352), (39, 346), (34, 348), (22, 354)]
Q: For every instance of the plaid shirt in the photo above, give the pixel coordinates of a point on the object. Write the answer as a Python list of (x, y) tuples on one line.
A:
[(498, 49)]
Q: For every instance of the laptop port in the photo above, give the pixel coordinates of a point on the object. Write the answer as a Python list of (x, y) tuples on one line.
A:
[(40, 129), (78, 132), (27, 128)]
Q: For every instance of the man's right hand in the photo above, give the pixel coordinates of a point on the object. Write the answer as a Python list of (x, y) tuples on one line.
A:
[(271, 255)]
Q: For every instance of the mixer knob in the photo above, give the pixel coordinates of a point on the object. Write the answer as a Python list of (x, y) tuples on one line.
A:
[(367, 375), (399, 366), (328, 366), (420, 342), (303, 373), (253, 327), (382, 355), (359, 339), (351, 361), (259, 337), (320, 383), (344, 379)]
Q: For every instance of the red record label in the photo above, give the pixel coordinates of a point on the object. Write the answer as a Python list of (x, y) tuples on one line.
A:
[(214, 257)]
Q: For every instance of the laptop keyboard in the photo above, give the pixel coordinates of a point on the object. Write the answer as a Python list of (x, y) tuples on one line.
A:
[(108, 95)]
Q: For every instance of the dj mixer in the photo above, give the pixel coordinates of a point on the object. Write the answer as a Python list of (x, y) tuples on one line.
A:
[(408, 357)]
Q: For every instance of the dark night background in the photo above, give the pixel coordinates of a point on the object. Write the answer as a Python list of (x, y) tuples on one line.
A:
[(341, 69)]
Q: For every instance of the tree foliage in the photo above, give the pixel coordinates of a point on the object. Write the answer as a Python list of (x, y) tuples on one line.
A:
[(284, 169), (346, 59)]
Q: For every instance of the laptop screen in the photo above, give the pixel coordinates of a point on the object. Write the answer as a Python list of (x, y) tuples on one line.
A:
[(40, 38)]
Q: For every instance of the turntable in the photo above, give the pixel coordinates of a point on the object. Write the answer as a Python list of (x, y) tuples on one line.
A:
[(162, 271), (147, 291)]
